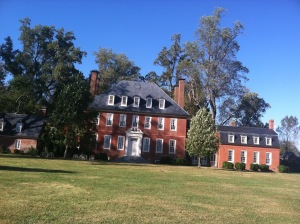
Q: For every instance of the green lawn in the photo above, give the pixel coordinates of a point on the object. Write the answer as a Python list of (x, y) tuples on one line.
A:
[(37, 190)]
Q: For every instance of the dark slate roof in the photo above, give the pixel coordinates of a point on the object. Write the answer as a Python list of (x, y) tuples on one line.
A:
[(142, 90), (250, 132), (31, 125)]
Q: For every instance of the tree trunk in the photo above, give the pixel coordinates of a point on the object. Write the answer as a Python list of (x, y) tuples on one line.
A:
[(199, 161), (66, 151)]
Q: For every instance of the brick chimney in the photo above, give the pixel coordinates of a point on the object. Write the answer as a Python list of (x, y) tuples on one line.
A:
[(176, 93), (271, 124), (180, 93), (94, 82), (43, 111), (233, 123)]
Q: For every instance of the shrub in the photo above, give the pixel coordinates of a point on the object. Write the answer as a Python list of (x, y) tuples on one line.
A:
[(180, 161), (32, 151), (166, 160), (254, 167), (227, 165), (16, 151), (3, 149), (283, 169), (240, 166), (264, 168), (101, 156)]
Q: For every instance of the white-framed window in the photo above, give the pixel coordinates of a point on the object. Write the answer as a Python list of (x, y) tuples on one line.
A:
[(121, 141), (256, 157), (19, 126), (136, 101), (111, 100), (161, 123), (135, 121), (230, 155), (1, 125), (122, 120), (268, 158), (268, 141), (172, 146), (149, 102), (173, 124), (159, 145), (243, 156), (243, 139), (18, 144), (109, 119), (98, 119), (147, 124), (256, 140), (146, 144), (161, 103), (124, 101), (107, 141), (231, 138)]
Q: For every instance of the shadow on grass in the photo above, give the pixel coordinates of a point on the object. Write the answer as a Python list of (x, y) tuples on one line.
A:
[(24, 169)]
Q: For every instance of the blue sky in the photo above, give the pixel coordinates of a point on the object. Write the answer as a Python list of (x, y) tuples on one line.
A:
[(269, 46)]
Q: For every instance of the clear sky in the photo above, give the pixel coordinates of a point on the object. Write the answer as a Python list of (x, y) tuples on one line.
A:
[(269, 46)]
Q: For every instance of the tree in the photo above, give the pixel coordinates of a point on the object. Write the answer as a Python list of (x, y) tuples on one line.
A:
[(211, 61), (69, 120), (289, 132), (114, 67), (202, 137)]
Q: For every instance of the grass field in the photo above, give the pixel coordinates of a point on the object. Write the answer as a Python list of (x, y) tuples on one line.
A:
[(37, 190)]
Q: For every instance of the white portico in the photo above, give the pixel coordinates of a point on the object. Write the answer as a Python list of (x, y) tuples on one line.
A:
[(133, 143)]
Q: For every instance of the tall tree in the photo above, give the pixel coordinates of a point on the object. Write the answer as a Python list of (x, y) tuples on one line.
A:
[(212, 61), (289, 132), (114, 67), (202, 137)]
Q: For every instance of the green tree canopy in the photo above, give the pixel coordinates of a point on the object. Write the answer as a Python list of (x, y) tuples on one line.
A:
[(202, 137)]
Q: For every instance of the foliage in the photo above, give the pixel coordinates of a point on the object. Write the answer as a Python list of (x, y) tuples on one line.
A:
[(227, 165), (240, 166), (283, 169), (202, 137), (180, 161), (166, 160), (114, 67), (32, 151), (101, 156), (3, 149), (264, 168), (254, 167)]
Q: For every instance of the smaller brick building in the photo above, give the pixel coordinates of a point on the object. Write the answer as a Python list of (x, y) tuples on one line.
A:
[(249, 145), (20, 131)]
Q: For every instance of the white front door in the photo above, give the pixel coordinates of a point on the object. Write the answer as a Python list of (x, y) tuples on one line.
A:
[(134, 146), (133, 142)]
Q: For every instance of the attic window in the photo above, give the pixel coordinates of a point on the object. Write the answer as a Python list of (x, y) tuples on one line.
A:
[(231, 138), (256, 140), (1, 125), (19, 126), (111, 100), (268, 141), (161, 103), (244, 139), (124, 101), (136, 101), (149, 102)]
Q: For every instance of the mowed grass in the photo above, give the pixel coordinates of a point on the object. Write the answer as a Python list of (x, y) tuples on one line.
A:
[(37, 190)]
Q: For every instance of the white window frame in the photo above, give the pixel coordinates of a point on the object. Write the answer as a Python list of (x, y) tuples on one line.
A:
[(18, 144), (269, 158), (111, 100), (256, 158), (121, 142), (19, 126), (255, 140), (161, 123), (268, 141), (147, 124), (148, 102), (146, 144), (243, 139), (1, 125), (98, 119), (135, 119), (124, 101), (157, 145), (122, 122), (161, 104), (229, 138), (104, 142), (245, 156), (172, 144), (232, 156), (173, 124), (109, 118), (136, 101)]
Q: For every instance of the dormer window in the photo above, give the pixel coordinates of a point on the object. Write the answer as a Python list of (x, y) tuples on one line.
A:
[(111, 100), (244, 139), (268, 141), (124, 101), (256, 140), (19, 126), (1, 125), (231, 138), (136, 101), (149, 102), (161, 103)]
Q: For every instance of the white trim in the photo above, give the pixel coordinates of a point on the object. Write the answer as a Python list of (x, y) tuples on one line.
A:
[(229, 138), (232, 156), (257, 157), (255, 140), (147, 125), (136, 101), (161, 104), (111, 100), (245, 156), (173, 124), (124, 101), (162, 145), (121, 139), (146, 144), (243, 139), (109, 119), (104, 146), (149, 104), (160, 123), (1, 125), (174, 146), (18, 144), (122, 122), (268, 141), (19, 126), (269, 158), (135, 121)]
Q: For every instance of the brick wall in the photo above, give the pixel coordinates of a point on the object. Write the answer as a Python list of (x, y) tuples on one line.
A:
[(9, 142)]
